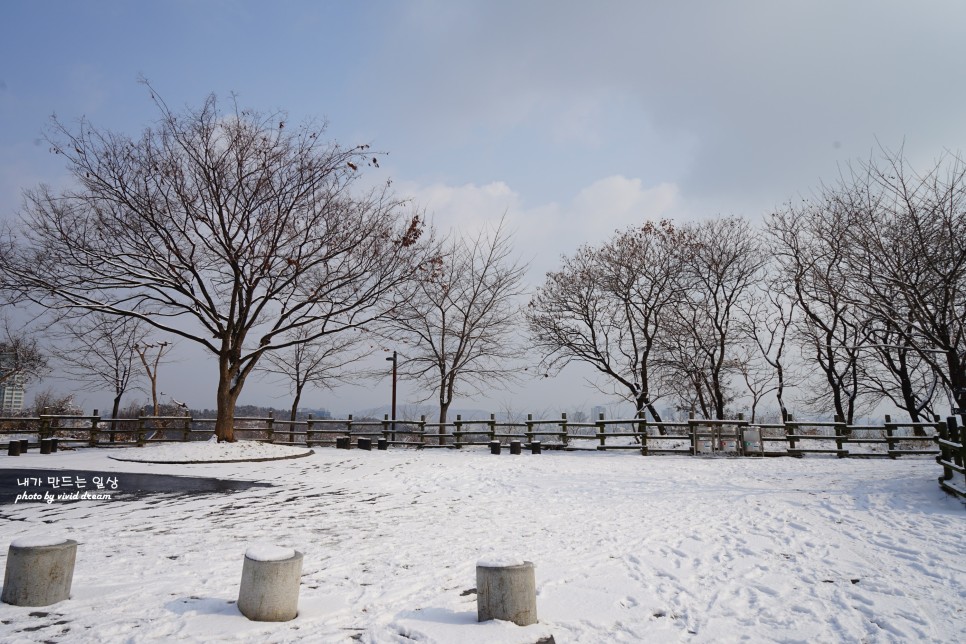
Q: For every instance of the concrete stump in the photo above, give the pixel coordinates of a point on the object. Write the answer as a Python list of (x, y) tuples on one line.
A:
[(39, 571), (269, 589), (535, 447), (342, 442), (494, 447), (506, 590), (382, 445), (13, 449), (45, 446), (516, 447), (53, 445), (24, 445), (364, 443)]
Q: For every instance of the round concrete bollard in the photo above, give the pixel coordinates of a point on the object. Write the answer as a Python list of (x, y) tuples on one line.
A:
[(506, 589), (342, 442), (39, 571), (494, 447), (535, 447), (382, 444), (364, 443), (516, 447), (269, 589), (24, 445), (45, 446), (13, 449)]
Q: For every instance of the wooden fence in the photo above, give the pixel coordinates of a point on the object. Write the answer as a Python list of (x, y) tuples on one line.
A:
[(696, 437), (952, 457)]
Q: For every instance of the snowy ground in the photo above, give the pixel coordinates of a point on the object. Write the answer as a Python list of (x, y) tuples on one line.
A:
[(627, 549)]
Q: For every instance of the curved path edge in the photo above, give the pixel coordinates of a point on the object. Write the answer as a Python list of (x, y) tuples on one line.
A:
[(234, 460)]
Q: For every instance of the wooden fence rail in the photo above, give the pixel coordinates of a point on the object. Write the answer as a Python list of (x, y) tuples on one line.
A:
[(693, 436), (734, 437)]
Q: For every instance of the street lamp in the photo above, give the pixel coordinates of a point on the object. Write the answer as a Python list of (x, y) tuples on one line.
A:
[(395, 363)]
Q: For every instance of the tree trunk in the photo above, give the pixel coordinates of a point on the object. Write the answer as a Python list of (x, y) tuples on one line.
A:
[(908, 395), (957, 377), (699, 390), (154, 396), (226, 397), (443, 413), (644, 403), (445, 400), (114, 411), (295, 405), (780, 392)]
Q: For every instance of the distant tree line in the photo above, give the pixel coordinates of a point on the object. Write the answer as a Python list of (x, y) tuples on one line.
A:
[(257, 411)]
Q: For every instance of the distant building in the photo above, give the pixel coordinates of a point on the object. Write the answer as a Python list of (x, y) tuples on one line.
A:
[(11, 389), (597, 411)]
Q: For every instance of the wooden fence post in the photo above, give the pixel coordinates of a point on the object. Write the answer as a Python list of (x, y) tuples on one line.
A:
[(790, 426), (271, 427), (642, 430), (95, 420), (529, 431), (840, 432), (141, 431), (44, 431), (564, 437), (955, 435), (422, 430), (739, 443), (458, 431), (385, 427), (890, 439), (693, 433), (601, 429), (943, 431), (348, 425), (186, 432), (492, 427)]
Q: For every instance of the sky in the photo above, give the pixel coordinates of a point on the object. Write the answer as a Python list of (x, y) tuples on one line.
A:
[(575, 119)]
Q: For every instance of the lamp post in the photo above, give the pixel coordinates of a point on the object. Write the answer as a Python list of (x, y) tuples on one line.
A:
[(395, 363)]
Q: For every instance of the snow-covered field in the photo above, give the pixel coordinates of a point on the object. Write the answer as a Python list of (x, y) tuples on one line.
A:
[(627, 549)]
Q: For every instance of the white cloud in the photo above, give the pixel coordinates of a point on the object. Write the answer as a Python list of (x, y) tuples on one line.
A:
[(625, 200), (545, 231)]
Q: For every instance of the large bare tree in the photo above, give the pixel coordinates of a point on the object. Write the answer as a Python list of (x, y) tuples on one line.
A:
[(609, 306), (810, 243), (724, 261), (230, 229), (766, 320), (459, 329), (908, 261)]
